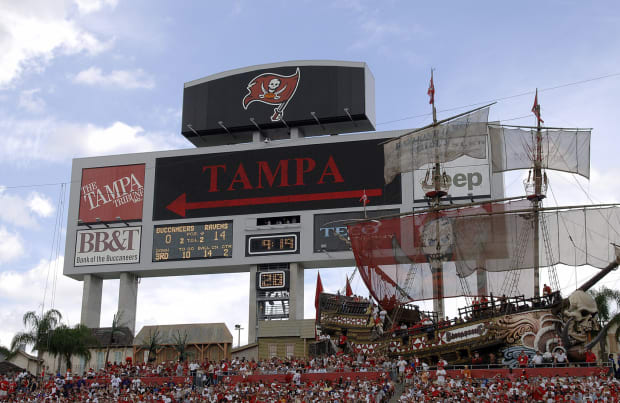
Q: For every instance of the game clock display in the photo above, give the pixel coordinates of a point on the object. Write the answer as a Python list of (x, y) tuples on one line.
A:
[(271, 280), (274, 244)]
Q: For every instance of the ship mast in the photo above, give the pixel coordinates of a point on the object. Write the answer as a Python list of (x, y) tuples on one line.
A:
[(538, 195), (436, 262)]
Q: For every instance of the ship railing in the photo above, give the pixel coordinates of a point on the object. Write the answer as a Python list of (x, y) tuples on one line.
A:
[(603, 364), (341, 304), (292, 370), (507, 305)]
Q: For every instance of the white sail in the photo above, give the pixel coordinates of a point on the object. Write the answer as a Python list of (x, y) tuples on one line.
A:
[(466, 135), (494, 237), (565, 150), (574, 237)]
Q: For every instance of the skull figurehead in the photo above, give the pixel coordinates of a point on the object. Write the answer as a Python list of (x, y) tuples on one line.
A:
[(583, 311)]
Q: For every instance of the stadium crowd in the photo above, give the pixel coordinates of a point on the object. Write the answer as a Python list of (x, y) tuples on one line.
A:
[(282, 381), (208, 382), (498, 389)]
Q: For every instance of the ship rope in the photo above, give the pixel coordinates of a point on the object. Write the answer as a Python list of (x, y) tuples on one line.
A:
[(404, 290), (510, 286), (465, 289), (552, 272)]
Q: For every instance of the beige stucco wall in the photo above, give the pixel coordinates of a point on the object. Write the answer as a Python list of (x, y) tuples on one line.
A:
[(25, 362), (97, 360)]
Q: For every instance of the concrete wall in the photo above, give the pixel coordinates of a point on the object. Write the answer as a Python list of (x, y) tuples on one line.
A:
[(282, 347), (303, 328), (26, 362), (97, 360), (249, 352)]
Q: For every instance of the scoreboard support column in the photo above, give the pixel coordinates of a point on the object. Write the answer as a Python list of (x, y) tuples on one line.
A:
[(252, 311), (296, 291), (127, 300), (91, 301)]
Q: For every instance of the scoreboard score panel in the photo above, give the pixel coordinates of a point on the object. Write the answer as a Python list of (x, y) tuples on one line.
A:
[(193, 241)]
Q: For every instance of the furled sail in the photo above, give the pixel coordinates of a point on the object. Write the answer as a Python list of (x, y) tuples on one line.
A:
[(442, 143), (495, 237), (565, 150)]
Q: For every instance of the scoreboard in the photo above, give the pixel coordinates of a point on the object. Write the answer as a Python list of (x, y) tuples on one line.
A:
[(193, 241)]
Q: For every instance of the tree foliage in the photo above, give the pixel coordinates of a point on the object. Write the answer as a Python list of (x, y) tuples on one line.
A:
[(68, 342), (115, 329), (152, 343), (608, 305), (9, 352), (38, 332), (606, 300), (180, 344)]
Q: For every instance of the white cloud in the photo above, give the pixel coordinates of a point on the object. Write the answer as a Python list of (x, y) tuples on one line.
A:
[(52, 140), (128, 79), (11, 245), (24, 291), (40, 204), (33, 32), (29, 100), (168, 300), (14, 210), (172, 300), (90, 6)]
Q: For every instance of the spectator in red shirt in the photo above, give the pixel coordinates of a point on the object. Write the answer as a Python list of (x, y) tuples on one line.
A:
[(476, 359), (547, 293), (523, 359), (590, 358)]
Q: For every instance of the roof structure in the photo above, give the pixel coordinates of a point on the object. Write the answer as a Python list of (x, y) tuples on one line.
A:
[(197, 333), (122, 338), (8, 367)]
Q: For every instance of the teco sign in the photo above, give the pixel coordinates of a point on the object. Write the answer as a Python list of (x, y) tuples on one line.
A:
[(107, 246), (110, 193), (277, 179), (330, 230)]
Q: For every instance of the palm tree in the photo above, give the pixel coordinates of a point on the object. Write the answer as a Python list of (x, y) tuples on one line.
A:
[(180, 344), (114, 330), (152, 343), (38, 332), (67, 342), (605, 298)]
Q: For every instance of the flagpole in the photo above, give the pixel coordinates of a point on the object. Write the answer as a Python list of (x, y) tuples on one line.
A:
[(433, 99)]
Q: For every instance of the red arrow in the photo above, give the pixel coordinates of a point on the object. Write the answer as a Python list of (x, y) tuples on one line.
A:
[(180, 205)]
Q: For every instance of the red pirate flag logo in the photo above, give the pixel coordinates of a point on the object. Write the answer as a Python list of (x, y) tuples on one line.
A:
[(272, 89)]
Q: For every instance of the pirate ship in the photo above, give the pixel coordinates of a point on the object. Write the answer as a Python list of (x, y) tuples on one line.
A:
[(488, 254)]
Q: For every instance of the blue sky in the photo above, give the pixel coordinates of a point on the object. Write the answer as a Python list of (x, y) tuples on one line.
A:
[(96, 77)]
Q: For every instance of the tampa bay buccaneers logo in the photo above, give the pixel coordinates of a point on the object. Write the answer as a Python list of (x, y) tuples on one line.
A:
[(272, 89)]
